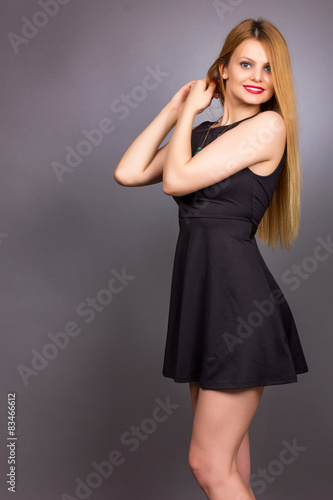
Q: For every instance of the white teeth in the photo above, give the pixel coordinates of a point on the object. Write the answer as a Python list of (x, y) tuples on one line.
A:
[(252, 88)]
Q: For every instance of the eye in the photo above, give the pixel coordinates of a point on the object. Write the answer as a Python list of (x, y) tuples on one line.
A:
[(268, 68)]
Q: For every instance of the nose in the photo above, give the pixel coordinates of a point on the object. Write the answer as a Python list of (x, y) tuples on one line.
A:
[(256, 75)]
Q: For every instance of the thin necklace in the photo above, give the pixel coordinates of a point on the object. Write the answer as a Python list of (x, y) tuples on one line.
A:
[(203, 142)]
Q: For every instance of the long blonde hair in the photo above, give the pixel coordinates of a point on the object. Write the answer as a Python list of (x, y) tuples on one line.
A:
[(280, 222)]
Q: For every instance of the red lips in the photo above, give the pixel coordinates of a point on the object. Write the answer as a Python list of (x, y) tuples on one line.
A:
[(254, 90)]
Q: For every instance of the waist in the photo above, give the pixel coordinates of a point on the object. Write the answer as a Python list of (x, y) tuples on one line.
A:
[(235, 225)]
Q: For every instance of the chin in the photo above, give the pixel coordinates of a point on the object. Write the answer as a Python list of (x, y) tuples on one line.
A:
[(256, 99)]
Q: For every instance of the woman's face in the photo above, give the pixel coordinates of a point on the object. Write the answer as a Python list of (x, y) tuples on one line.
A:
[(247, 70)]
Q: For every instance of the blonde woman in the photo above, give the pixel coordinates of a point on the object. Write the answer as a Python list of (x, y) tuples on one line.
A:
[(230, 329)]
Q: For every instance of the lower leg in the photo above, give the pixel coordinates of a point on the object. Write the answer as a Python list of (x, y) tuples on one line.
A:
[(243, 454), (244, 463), (231, 488)]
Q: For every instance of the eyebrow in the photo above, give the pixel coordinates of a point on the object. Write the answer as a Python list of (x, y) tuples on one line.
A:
[(249, 58)]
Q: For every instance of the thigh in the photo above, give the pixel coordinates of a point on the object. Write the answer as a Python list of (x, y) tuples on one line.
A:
[(221, 421)]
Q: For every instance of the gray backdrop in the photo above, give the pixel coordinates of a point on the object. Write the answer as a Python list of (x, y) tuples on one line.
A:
[(86, 264)]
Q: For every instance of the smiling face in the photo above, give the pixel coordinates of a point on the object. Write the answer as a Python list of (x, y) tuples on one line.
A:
[(248, 77)]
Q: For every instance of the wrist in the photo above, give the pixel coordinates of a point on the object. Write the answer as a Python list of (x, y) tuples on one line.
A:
[(187, 113), (171, 114)]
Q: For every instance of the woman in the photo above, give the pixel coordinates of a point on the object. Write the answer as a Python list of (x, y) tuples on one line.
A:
[(230, 330)]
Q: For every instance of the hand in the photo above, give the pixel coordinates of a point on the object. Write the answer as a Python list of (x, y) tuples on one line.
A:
[(178, 100), (201, 95)]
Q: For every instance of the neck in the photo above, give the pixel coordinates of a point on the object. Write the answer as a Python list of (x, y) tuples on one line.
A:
[(232, 115)]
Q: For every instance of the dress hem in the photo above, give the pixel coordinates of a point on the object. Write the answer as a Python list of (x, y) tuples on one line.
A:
[(240, 385)]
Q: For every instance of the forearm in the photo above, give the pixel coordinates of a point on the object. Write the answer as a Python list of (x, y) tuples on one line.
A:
[(179, 149), (142, 150)]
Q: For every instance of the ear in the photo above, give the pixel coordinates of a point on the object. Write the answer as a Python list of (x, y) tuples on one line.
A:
[(223, 71)]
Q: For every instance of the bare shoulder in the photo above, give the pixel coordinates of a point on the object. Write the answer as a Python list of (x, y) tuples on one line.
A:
[(269, 128), (272, 122)]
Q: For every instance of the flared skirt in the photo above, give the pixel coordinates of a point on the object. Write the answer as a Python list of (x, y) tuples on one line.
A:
[(229, 325)]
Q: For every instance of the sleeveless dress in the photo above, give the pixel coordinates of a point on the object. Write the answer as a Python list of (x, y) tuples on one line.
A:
[(229, 324)]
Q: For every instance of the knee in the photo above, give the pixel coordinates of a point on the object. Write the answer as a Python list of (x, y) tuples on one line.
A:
[(198, 469), (208, 474)]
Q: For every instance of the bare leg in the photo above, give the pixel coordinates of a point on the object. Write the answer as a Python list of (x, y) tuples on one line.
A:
[(243, 455), (244, 463), (220, 452)]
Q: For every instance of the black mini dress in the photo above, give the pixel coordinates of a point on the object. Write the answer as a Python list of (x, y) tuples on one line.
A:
[(229, 323)]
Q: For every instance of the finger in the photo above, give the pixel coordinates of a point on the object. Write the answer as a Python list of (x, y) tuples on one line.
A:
[(214, 80), (192, 82), (211, 87)]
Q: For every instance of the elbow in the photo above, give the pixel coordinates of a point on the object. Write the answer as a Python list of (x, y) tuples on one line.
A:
[(175, 184), (173, 189), (169, 182), (167, 189), (117, 178), (122, 181)]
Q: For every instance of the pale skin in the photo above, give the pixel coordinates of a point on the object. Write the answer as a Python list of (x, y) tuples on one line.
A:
[(219, 454)]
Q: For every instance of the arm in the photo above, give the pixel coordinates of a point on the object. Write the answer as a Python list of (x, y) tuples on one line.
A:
[(260, 140), (142, 164)]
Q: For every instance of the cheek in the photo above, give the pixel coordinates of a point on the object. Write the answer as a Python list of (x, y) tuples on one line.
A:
[(270, 86)]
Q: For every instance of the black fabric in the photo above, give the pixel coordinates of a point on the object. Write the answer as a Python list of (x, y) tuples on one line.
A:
[(229, 323)]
